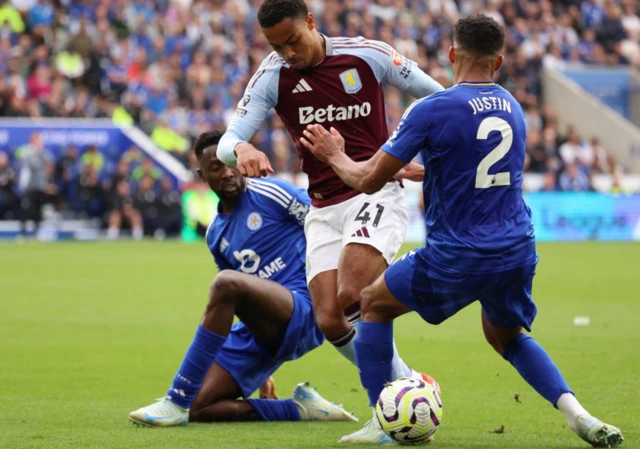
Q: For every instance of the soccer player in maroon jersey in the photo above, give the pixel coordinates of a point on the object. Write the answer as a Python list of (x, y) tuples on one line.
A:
[(335, 82)]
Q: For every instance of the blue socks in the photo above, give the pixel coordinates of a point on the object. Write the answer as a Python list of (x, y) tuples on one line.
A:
[(536, 367), (276, 409), (374, 353), (195, 365)]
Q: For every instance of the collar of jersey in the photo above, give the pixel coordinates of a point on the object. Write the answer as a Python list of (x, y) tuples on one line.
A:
[(476, 83), (328, 50)]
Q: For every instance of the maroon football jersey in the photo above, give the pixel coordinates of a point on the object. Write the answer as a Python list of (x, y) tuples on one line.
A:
[(344, 91)]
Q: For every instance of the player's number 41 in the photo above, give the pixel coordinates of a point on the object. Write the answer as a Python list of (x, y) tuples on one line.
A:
[(483, 179)]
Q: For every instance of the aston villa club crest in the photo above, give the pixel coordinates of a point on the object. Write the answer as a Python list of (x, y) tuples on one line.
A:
[(351, 81)]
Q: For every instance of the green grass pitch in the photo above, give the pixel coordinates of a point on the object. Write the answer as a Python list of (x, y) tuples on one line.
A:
[(89, 332)]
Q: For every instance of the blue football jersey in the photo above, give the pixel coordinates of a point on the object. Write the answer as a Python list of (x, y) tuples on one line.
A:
[(471, 139), (264, 234)]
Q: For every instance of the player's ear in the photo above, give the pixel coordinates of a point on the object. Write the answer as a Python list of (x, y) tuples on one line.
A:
[(200, 174), (311, 24), (452, 54), (499, 62)]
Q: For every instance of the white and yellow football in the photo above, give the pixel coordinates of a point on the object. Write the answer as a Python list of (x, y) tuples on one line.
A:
[(409, 410)]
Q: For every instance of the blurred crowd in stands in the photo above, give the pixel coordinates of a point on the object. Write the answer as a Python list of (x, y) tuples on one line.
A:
[(176, 68), (136, 194)]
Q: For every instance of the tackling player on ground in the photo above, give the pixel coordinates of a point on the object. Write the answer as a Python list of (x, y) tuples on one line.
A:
[(311, 78), (257, 241), (480, 240)]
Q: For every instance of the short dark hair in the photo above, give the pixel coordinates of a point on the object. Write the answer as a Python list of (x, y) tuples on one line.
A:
[(480, 35), (206, 140), (272, 12)]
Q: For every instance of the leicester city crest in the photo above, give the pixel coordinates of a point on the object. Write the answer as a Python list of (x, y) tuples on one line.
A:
[(351, 81), (254, 221)]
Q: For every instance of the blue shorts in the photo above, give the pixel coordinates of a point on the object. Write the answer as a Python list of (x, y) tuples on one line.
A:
[(250, 363), (437, 295)]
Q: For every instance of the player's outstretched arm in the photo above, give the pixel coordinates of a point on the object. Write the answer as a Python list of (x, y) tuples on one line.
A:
[(367, 176), (259, 97)]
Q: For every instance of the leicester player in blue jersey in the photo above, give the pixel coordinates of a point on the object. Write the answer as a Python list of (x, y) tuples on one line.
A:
[(480, 240), (257, 240)]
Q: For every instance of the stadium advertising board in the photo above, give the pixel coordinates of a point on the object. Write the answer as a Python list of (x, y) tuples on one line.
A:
[(57, 135), (585, 216), (563, 216)]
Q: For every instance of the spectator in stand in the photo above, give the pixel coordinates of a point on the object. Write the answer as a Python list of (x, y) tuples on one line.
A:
[(122, 173), (33, 182), (573, 179), (146, 201), (572, 148), (549, 183), (133, 155), (147, 169), (8, 181), (90, 193), (122, 212), (64, 174), (600, 158), (92, 157), (169, 211)]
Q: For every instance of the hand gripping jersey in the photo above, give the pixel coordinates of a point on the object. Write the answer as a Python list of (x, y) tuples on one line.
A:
[(344, 91)]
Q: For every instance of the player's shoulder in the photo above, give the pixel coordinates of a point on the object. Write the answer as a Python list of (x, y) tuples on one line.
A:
[(367, 48), (273, 61), (446, 101), (272, 191), (269, 67)]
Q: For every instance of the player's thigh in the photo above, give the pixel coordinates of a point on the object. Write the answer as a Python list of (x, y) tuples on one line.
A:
[(435, 297), (264, 306), (360, 265), (507, 301), (324, 242), (217, 385)]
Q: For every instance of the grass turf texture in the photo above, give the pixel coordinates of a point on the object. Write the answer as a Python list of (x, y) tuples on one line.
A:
[(89, 332)]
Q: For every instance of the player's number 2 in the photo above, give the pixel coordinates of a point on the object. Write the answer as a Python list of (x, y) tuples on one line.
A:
[(483, 179)]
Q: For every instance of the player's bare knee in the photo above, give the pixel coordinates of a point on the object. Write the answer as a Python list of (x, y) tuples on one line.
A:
[(348, 295), (224, 287), (329, 320), (370, 309)]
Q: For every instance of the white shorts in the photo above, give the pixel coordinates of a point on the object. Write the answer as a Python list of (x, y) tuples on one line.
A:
[(379, 220)]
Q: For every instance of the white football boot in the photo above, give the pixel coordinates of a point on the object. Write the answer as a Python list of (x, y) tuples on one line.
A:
[(371, 433), (313, 407), (597, 433), (163, 413)]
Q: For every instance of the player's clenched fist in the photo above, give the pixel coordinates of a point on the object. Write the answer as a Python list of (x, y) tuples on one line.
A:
[(252, 162), (322, 143)]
